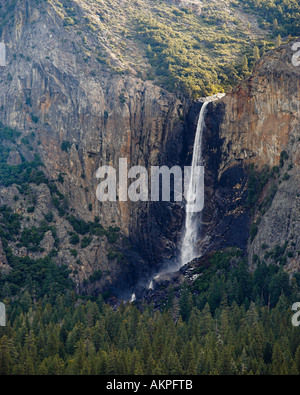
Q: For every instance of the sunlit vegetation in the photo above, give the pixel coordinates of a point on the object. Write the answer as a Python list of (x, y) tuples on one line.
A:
[(187, 52), (282, 17)]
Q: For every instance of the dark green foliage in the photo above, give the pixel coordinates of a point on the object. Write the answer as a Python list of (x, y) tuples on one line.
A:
[(79, 225), (112, 234), (228, 276), (186, 305), (282, 16), (122, 98), (74, 239), (86, 241), (269, 199), (49, 217), (31, 237), (253, 231), (276, 254), (27, 172), (283, 157), (34, 118), (94, 228), (25, 141), (60, 178), (70, 336), (23, 173), (41, 277), (10, 223), (257, 181), (96, 276), (231, 321), (59, 201), (264, 246), (65, 146), (74, 253), (115, 255), (8, 134)]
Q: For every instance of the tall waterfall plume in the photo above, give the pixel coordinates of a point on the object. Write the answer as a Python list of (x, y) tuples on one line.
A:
[(193, 219)]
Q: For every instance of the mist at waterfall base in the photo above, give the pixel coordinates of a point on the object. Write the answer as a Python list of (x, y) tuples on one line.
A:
[(193, 218)]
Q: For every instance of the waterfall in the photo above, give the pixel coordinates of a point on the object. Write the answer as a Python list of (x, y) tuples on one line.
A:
[(133, 298), (193, 219)]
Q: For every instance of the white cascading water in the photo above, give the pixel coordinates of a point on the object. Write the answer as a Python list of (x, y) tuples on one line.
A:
[(133, 298), (151, 286), (191, 230)]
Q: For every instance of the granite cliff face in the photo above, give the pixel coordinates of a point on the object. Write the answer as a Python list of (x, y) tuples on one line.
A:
[(262, 113), (257, 123), (82, 116)]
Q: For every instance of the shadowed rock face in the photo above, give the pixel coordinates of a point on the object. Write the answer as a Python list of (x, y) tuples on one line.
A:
[(225, 219)]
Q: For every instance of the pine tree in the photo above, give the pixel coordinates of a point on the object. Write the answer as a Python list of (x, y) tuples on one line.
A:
[(56, 365), (188, 360), (206, 320), (150, 366), (297, 359), (145, 349), (29, 369), (224, 364), (277, 360), (52, 344), (102, 358), (42, 369), (79, 357), (138, 365), (174, 366), (186, 304), (123, 342), (5, 356), (193, 325), (112, 362), (268, 352)]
